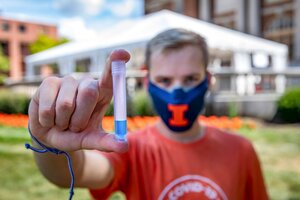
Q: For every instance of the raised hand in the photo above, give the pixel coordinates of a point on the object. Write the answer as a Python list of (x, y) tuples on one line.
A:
[(66, 113)]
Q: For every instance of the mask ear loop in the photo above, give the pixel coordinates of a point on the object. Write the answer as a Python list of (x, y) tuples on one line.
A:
[(46, 149), (209, 77)]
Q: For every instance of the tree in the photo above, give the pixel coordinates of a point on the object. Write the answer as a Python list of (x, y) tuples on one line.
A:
[(44, 42), (4, 66)]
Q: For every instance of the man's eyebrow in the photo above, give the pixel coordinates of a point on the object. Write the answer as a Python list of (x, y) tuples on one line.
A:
[(163, 76), (193, 74)]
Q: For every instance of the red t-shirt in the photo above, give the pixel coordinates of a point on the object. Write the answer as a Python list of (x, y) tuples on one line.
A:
[(220, 166)]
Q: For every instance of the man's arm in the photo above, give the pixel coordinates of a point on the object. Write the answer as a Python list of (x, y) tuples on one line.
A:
[(91, 169), (66, 114)]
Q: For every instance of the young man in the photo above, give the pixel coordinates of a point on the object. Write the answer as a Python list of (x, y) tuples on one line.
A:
[(178, 158)]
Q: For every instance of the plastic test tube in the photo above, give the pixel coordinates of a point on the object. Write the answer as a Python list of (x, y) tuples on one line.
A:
[(118, 69)]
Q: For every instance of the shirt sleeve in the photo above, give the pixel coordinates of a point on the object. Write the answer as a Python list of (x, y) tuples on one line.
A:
[(255, 186), (119, 163)]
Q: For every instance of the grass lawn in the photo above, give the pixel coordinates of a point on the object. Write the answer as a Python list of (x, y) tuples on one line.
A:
[(278, 148)]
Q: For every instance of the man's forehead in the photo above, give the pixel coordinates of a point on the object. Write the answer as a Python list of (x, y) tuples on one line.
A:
[(167, 52), (187, 59)]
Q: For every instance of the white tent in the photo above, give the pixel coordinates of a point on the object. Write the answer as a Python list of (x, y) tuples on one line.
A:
[(135, 34)]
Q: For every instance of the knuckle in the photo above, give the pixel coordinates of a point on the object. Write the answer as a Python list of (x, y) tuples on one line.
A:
[(89, 91), (47, 112), (65, 106)]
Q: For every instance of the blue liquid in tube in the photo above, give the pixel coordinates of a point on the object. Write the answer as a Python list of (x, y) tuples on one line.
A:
[(120, 129)]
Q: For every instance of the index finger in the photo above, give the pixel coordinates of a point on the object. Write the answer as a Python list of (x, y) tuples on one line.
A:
[(106, 79)]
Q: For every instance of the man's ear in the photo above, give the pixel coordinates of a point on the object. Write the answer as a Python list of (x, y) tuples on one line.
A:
[(146, 76)]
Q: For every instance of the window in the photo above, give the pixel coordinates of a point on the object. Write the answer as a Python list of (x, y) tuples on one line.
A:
[(291, 81), (43, 30), (224, 13), (22, 28), (5, 47), (55, 68), (5, 26), (226, 62), (24, 49), (261, 60), (221, 58), (223, 83), (46, 70), (265, 83), (280, 22), (83, 65)]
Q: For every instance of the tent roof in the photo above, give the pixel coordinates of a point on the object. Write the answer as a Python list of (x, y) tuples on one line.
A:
[(143, 29)]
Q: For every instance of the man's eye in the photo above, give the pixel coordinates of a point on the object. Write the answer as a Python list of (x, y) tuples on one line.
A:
[(164, 81), (190, 80)]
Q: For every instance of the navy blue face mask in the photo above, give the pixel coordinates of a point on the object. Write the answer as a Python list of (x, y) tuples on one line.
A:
[(179, 109)]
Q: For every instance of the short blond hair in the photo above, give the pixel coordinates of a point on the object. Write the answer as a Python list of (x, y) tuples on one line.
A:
[(173, 39)]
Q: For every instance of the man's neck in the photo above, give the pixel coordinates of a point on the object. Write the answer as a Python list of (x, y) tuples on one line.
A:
[(191, 135)]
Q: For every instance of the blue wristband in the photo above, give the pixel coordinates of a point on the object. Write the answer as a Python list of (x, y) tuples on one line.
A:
[(46, 149)]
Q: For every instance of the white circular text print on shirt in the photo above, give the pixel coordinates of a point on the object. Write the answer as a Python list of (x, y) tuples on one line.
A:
[(192, 187)]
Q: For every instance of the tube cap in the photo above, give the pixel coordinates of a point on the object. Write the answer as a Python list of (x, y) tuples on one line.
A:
[(118, 67)]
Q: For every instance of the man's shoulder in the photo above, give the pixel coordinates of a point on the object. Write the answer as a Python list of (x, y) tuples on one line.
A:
[(228, 137)]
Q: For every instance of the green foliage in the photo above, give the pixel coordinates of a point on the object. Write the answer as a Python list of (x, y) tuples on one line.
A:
[(110, 109), (139, 105), (2, 78), (232, 110), (11, 103), (44, 42), (4, 66), (4, 62), (289, 105), (142, 105)]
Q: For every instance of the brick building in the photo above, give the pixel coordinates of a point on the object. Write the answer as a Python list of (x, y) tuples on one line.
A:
[(15, 37), (277, 20)]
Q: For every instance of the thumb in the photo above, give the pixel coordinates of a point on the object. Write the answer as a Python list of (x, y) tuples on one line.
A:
[(104, 142), (89, 139)]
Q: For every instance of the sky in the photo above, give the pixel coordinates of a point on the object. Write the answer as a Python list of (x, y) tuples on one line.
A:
[(75, 19)]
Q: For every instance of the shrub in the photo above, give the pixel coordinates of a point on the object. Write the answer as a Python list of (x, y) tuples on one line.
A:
[(232, 110), (110, 109), (289, 105), (13, 103), (141, 104)]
